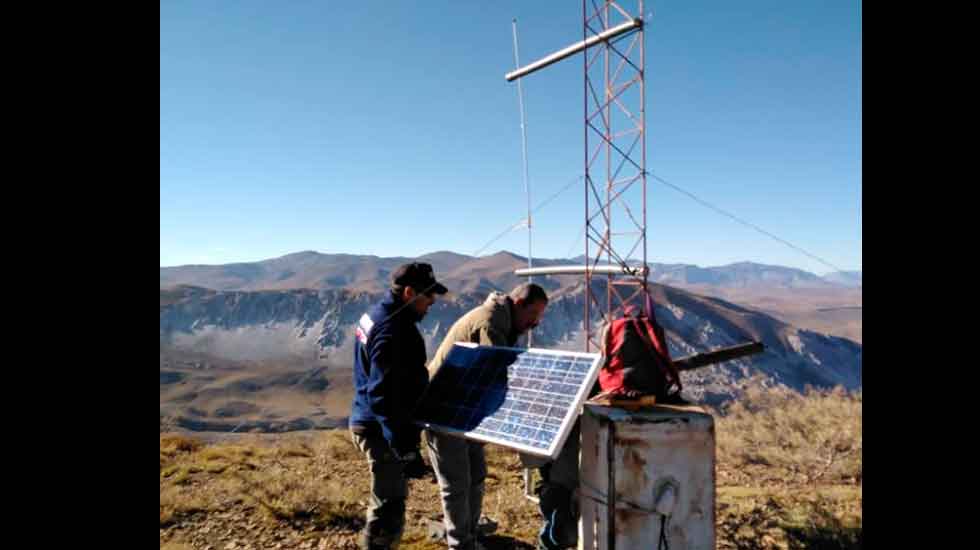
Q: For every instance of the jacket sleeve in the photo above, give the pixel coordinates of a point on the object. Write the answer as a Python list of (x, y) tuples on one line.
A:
[(389, 402)]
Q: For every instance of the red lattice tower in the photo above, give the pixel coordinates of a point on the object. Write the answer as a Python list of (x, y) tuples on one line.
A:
[(615, 162), (615, 159)]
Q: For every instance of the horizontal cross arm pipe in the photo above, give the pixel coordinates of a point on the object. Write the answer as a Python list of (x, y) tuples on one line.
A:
[(638, 271), (717, 356), (574, 49)]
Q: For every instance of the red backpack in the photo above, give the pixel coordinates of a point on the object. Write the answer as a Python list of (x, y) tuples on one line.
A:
[(636, 360)]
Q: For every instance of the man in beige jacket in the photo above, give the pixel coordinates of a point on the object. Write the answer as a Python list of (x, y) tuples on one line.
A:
[(460, 464)]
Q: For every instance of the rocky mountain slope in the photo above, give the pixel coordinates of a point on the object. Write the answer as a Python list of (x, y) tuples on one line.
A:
[(307, 329)]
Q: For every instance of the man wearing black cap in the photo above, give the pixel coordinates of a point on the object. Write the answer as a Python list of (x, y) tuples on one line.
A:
[(389, 377)]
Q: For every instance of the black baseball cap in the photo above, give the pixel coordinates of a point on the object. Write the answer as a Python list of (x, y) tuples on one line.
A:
[(418, 276)]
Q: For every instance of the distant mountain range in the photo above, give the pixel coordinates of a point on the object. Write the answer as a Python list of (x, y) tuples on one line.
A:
[(845, 278), (463, 273), (234, 336), (746, 274), (269, 329)]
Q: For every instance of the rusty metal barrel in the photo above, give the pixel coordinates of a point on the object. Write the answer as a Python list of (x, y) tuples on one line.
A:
[(647, 478)]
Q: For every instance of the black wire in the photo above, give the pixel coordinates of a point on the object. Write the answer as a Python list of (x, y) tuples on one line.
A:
[(540, 205), (743, 222), (555, 195)]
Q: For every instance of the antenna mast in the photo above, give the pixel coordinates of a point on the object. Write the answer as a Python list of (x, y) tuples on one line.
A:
[(614, 61), (527, 186)]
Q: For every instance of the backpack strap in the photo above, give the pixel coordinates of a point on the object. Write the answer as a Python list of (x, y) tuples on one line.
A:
[(607, 344), (650, 339), (671, 367)]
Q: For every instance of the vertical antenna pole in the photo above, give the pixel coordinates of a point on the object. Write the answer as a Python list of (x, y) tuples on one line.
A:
[(643, 164), (527, 187), (586, 321)]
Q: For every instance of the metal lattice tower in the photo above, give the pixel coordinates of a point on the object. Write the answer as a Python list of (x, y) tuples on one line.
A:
[(615, 162), (615, 159)]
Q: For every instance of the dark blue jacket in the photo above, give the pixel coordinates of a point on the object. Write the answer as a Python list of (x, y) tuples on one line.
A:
[(389, 373)]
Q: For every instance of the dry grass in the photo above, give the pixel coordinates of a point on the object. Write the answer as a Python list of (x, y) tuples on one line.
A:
[(318, 485), (789, 473), (789, 518), (789, 470), (775, 435), (277, 479)]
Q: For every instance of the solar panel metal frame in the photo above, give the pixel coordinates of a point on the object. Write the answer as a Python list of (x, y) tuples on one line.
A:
[(568, 419)]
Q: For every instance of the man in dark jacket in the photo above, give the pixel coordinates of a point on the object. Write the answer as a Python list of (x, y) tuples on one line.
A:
[(389, 378)]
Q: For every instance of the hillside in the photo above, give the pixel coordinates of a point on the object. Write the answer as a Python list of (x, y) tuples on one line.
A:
[(829, 304), (259, 353)]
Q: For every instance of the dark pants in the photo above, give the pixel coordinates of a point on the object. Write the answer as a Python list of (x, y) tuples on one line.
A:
[(461, 468), (386, 511), (557, 493)]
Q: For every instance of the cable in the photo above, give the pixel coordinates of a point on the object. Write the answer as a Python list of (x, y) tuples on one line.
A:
[(581, 234), (743, 222), (522, 222)]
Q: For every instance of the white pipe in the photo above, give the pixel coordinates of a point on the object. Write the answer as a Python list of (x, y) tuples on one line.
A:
[(606, 269), (574, 49)]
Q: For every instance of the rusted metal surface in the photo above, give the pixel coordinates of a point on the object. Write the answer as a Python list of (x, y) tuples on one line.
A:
[(611, 482), (642, 470), (594, 481)]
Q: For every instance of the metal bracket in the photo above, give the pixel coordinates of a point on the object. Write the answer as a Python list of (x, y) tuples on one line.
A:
[(528, 492)]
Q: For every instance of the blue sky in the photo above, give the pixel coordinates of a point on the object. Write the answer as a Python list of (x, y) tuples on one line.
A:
[(387, 128)]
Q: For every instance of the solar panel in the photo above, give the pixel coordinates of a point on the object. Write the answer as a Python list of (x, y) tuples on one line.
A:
[(525, 399)]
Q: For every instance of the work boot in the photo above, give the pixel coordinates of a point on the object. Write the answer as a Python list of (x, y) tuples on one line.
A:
[(560, 529), (545, 544), (363, 543), (485, 527)]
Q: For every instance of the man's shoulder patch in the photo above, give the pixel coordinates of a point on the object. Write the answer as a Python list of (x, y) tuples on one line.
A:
[(364, 326)]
